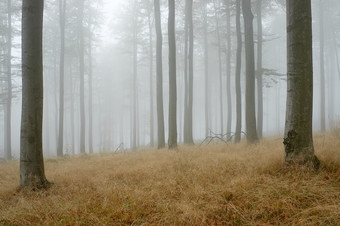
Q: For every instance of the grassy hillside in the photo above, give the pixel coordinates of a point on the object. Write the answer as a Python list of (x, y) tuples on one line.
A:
[(224, 184)]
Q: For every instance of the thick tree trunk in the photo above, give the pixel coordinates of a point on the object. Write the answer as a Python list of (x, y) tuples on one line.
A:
[(172, 140), (322, 69), (259, 70), (8, 108), (250, 72), (159, 78), (82, 75), (238, 74), (229, 103), (62, 11), (189, 56), (32, 174), (298, 139)]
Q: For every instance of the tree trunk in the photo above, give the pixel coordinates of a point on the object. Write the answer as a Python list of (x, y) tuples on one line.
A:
[(206, 72), (229, 103), (219, 65), (134, 79), (82, 75), (172, 140), (32, 173), (322, 70), (238, 74), (159, 78), (8, 108), (250, 72), (90, 93), (62, 11), (298, 141), (259, 70), (152, 135), (189, 56)]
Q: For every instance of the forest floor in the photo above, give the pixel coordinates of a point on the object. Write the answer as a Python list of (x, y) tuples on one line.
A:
[(195, 185)]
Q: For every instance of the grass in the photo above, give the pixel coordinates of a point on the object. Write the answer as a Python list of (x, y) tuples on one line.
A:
[(215, 184)]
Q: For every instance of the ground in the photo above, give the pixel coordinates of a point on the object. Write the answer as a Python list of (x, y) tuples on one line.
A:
[(210, 184)]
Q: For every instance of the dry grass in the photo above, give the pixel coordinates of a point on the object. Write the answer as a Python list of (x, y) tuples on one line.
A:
[(216, 184)]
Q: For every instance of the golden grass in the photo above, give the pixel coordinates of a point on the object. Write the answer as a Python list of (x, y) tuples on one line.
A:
[(215, 184)]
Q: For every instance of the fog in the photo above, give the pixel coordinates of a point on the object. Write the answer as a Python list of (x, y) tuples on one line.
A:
[(111, 30)]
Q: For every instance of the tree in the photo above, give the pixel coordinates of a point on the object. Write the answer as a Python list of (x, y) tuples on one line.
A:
[(229, 103), (250, 72), (81, 74), (172, 140), (206, 70), (32, 173), (159, 78), (259, 69), (298, 141), (189, 57), (238, 73), (62, 12)]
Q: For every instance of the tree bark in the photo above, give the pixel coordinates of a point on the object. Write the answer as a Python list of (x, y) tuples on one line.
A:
[(188, 136), (238, 74), (62, 11), (259, 70), (250, 72), (159, 78), (134, 79), (172, 140), (298, 141), (32, 174)]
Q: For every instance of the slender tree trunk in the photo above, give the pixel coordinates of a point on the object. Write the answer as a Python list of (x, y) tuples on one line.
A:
[(82, 75), (206, 73), (90, 93), (8, 108), (259, 70), (159, 78), (134, 80), (322, 69), (238, 74), (152, 135), (298, 139), (72, 111), (62, 11), (32, 173), (250, 72), (229, 103), (172, 142), (219, 65), (189, 56)]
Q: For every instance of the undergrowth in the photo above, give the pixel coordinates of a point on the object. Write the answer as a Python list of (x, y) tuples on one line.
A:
[(214, 184)]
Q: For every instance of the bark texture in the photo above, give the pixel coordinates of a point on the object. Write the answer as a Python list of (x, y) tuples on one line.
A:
[(189, 57), (298, 141), (32, 174), (172, 140), (159, 78), (259, 70), (250, 72)]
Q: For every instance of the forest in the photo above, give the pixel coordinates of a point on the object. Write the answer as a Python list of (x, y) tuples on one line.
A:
[(184, 112)]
